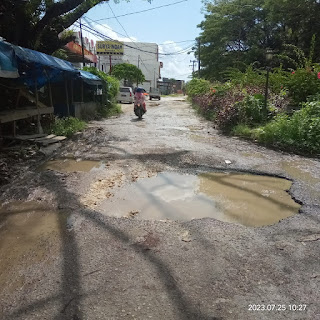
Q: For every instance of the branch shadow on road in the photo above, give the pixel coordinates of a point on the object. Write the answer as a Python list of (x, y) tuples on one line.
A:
[(72, 292)]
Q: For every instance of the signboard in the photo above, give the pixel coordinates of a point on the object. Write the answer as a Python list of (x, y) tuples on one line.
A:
[(77, 49), (109, 47)]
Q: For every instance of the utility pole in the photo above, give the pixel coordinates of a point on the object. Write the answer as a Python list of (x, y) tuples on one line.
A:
[(138, 68), (193, 64), (110, 64), (81, 43), (199, 58)]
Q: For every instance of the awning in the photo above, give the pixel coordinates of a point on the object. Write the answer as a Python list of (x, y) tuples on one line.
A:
[(34, 68), (74, 52), (90, 78), (8, 65)]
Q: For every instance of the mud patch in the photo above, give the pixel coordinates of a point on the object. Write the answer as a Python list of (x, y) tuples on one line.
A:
[(70, 165), (253, 155), (250, 200), (237, 198), (299, 170), (102, 189), (200, 138), (29, 234)]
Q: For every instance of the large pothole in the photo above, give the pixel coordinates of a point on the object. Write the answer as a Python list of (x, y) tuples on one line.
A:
[(250, 200)]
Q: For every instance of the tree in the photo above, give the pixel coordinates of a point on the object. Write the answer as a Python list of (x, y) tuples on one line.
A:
[(38, 23), (110, 85), (236, 33), (128, 72)]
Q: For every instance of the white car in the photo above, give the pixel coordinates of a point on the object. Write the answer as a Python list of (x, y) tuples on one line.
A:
[(125, 95)]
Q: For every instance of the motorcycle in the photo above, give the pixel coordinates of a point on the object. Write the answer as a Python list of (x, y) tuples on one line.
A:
[(139, 110)]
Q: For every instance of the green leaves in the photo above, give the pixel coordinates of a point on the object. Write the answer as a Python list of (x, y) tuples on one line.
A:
[(197, 87), (37, 24), (68, 126), (127, 71), (236, 33)]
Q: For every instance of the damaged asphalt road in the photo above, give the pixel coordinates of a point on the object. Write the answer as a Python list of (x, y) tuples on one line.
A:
[(63, 256)]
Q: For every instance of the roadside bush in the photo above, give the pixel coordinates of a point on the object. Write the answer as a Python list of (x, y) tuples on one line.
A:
[(67, 126), (197, 87), (229, 105), (250, 77), (279, 102), (300, 132), (106, 112), (251, 110), (110, 89), (278, 80), (113, 86), (227, 118), (242, 130), (301, 84), (240, 105)]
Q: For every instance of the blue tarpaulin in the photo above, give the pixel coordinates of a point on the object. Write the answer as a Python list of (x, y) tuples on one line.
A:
[(89, 78), (35, 69), (8, 65)]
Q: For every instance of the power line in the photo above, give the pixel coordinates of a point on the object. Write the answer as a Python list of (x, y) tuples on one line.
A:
[(103, 36), (119, 22), (121, 34), (128, 36), (100, 24), (127, 14)]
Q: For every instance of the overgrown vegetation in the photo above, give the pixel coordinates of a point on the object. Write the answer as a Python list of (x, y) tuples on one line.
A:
[(110, 89), (290, 120), (242, 44), (67, 126)]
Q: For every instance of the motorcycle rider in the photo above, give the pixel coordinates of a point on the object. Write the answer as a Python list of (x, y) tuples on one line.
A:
[(140, 98)]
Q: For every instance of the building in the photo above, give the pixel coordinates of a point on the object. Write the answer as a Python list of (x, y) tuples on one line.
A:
[(143, 55), (74, 51), (170, 86)]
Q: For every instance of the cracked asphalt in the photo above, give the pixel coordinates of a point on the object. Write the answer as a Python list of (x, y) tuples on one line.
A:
[(61, 258)]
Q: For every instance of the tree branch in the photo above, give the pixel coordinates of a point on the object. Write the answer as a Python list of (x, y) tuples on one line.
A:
[(76, 9), (73, 16)]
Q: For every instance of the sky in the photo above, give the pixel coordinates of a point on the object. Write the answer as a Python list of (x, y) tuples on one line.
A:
[(173, 27)]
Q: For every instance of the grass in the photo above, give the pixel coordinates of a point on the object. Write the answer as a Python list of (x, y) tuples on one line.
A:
[(172, 95), (67, 126), (112, 110)]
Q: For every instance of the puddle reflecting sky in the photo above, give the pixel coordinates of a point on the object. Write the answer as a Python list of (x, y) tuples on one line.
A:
[(238, 198)]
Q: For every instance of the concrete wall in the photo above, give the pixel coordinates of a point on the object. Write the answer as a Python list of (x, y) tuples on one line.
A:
[(84, 110)]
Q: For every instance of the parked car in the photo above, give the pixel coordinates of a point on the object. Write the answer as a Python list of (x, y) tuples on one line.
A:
[(154, 93), (125, 95)]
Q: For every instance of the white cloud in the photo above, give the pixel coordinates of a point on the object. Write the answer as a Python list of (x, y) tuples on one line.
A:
[(176, 65), (103, 29)]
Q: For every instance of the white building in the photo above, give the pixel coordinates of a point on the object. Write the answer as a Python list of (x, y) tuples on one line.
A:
[(143, 55)]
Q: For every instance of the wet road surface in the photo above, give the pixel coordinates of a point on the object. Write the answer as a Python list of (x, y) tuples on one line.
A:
[(63, 254)]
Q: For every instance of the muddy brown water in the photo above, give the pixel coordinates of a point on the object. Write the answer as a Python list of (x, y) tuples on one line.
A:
[(250, 200), (70, 165), (26, 229)]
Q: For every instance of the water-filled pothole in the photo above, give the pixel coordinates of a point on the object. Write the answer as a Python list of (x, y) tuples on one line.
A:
[(250, 200), (70, 165), (29, 234)]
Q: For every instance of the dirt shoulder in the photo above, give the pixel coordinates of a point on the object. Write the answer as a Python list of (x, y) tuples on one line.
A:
[(61, 258)]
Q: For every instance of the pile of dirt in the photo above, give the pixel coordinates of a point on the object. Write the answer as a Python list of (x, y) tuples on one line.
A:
[(16, 158)]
